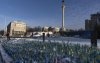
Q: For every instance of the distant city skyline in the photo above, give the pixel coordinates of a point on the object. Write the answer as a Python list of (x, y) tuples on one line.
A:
[(47, 12)]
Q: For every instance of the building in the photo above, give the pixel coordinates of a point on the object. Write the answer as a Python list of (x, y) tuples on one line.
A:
[(88, 24), (45, 29), (16, 28), (94, 20), (56, 29)]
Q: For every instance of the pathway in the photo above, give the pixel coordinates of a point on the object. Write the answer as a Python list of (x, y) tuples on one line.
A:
[(5, 56)]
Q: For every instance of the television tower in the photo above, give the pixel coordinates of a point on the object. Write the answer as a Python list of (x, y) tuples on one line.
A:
[(63, 7)]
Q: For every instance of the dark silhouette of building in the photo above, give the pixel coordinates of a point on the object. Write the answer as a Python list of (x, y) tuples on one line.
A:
[(93, 25), (94, 20)]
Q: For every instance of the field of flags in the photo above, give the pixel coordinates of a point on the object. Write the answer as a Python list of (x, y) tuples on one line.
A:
[(48, 52)]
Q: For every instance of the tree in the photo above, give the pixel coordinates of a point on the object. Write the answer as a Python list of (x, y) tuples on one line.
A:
[(2, 32), (29, 29), (37, 29), (50, 29)]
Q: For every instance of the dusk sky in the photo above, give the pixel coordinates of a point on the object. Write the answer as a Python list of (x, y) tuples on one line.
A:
[(48, 12)]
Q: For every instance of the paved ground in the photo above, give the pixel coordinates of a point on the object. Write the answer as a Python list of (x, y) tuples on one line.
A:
[(5, 56), (1, 60)]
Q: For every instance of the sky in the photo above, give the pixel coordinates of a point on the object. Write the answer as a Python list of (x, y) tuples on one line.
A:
[(48, 12)]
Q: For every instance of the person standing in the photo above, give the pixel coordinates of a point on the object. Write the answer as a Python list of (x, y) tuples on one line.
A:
[(8, 37)]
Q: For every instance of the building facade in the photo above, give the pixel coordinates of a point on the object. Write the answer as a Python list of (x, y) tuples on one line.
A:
[(94, 20), (16, 28), (56, 29), (45, 29)]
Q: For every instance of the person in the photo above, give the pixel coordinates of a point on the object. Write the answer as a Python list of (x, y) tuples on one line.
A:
[(8, 37), (32, 34), (48, 35), (43, 37)]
